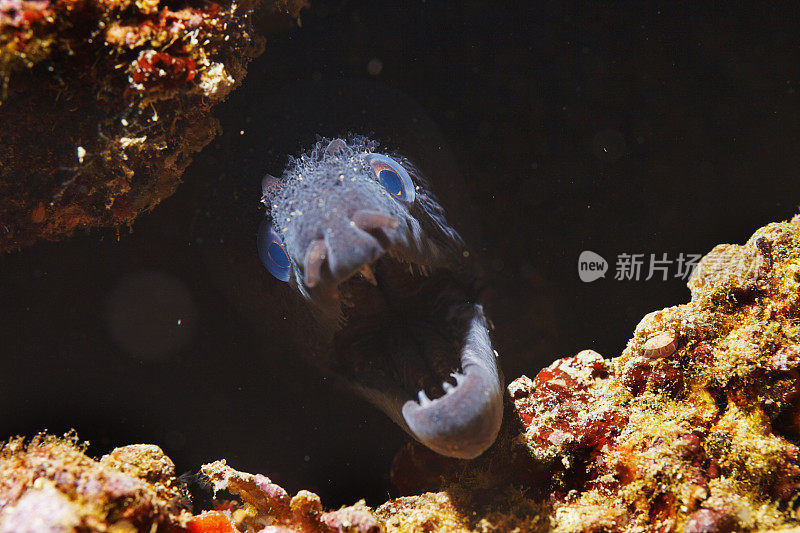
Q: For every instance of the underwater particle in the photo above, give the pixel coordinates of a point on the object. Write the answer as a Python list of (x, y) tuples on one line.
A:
[(374, 66), (662, 344), (608, 145), (141, 311)]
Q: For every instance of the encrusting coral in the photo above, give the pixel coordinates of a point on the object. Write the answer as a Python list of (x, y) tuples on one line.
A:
[(103, 103), (694, 428), (49, 485)]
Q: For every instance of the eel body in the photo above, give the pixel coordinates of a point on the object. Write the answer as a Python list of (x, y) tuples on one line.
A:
[(360, 236)]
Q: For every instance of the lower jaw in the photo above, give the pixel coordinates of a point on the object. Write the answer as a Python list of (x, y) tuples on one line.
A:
[(407, 331), (458, 419), (465, 421)]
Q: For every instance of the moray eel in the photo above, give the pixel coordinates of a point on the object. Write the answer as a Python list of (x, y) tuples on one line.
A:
[(360, 235)]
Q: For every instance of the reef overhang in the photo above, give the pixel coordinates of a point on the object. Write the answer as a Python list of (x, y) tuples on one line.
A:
[(104, 102)]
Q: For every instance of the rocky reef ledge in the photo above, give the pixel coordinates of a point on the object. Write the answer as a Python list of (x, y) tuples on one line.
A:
[(103, 103), (694, 427)]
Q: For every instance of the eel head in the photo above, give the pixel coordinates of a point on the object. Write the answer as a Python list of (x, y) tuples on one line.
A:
[(359, 235)]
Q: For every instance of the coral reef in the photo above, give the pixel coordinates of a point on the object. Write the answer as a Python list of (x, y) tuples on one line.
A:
[(266, 507), (694, 428), (50, 485), (104, 101)]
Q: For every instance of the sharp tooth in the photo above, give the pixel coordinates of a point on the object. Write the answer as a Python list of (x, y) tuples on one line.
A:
[(458, 377), (366, 271), (423, 398), (447, 387)]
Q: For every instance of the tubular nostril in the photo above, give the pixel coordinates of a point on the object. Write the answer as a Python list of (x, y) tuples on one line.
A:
[(315, 257), (372, 220), (349, 249)]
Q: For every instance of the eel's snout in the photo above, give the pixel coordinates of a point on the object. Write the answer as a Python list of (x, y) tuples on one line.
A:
[(465, 421), (345, 248)]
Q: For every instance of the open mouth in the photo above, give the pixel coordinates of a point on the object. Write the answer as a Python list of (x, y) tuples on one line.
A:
[(413, 341)]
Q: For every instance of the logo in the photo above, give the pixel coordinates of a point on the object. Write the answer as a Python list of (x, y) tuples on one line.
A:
[(591, 266), (637, 267)]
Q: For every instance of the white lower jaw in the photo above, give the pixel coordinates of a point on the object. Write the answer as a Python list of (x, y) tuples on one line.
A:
[(465, 421)]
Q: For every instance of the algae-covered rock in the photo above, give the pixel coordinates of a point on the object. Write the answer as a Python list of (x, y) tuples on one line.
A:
[(50, 485), (103, 103)]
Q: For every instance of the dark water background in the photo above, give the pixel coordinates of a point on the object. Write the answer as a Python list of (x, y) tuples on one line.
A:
[(616, 128)]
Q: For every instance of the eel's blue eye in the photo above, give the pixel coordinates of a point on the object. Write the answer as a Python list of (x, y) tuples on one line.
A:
[(391, 181), (272, 252), (393, 177)]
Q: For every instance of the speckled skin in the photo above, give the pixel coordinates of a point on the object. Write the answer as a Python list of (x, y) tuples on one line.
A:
[(340, 184)]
